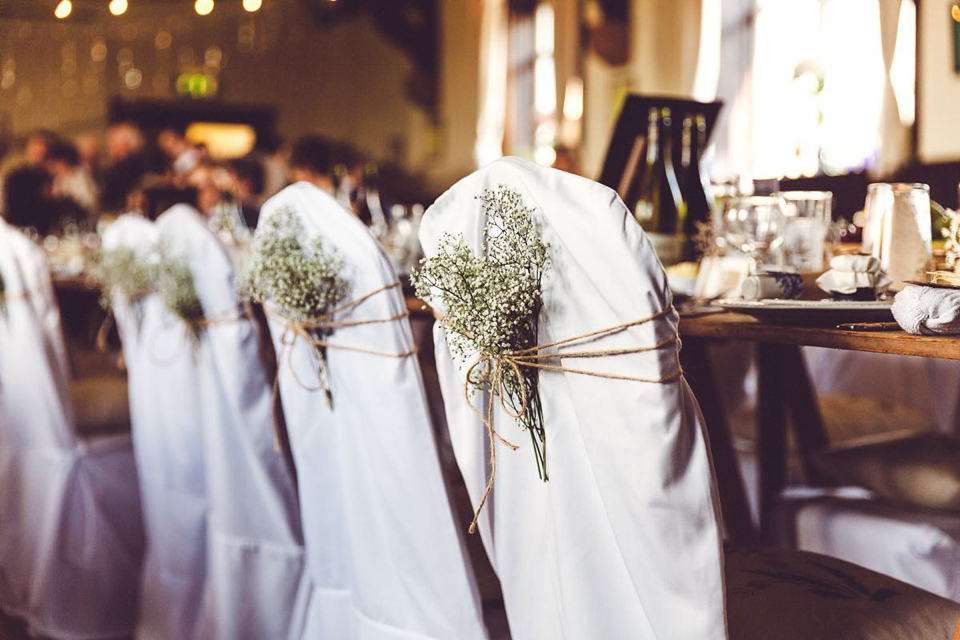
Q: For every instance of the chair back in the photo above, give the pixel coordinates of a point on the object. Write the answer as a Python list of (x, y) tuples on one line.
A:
[(377, 519), (624, 539)]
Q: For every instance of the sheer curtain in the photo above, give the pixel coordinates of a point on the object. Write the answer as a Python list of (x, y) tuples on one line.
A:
[(897, 19), (493, 81), (813, 86)]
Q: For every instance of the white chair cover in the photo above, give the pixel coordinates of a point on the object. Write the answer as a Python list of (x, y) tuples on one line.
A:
[(624, 540), (258, 586), (382, 547), (926, 384), (168, 443), (919, 547), (71, 537)]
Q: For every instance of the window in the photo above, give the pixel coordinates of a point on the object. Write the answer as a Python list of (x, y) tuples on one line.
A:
[(812, 99)]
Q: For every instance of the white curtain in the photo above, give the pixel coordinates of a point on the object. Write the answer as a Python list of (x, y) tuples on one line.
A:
[(733, 138), (493, 82), (894, 136)]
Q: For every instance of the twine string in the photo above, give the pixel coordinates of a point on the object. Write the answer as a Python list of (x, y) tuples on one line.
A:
[(494, 366)]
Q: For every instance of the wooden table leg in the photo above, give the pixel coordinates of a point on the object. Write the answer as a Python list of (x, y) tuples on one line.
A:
[(772, 363), (805, 415), (734, 507)]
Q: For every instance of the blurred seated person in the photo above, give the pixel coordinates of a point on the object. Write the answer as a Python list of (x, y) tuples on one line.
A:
[(28, 201), (70, 179), (160, 196), (248, 179), (127, 163), (37, 146), (182, 156), (312, 160), (274, 156)]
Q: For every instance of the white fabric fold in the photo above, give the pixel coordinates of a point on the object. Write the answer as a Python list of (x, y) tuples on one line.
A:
[(851, 272), (258, 587), (71, 538), (168, 443), (624, 539), (383, 550), (928, 310)]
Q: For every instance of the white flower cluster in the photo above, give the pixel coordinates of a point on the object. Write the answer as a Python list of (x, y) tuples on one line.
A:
[(952, 235), (132, 275), (124, 273), (174, 283), (490, 302), (300, 279)]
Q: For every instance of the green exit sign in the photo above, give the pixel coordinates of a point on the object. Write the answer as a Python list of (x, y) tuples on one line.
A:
[(196, 85)]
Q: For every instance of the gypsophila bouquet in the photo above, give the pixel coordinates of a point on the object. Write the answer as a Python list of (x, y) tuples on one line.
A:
[(951, 233), (174, 283), (299, 279), (492, 302), (124, 274)]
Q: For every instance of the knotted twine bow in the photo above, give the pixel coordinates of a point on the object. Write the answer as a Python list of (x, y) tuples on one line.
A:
[(302, 330), (511, 361)]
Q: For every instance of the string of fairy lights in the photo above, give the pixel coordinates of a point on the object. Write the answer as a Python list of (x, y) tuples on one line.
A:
[(119, 7)]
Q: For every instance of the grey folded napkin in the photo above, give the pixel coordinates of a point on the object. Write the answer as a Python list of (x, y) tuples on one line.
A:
[(928, 310)]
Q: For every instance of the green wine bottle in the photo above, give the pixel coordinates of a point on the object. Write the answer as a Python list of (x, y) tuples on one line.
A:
[(659, 207)]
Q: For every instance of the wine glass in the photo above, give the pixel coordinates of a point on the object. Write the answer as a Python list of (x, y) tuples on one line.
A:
[(754, 225)]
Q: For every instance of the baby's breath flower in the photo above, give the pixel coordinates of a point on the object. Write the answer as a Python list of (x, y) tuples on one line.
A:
[(174, 283), (123, 273), (299, 278), (491, 302)]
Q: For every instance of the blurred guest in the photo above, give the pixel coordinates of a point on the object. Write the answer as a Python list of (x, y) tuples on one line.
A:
[(161, 195), (274, 156), (127, 163), (248, 177), (312, 160), (37, 146), (565, 160), (28, 201), (182, 155), (70, 179), (88, 144), (206, 178)]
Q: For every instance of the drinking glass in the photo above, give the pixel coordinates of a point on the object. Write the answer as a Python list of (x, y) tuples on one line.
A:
[(897, 230), (808, 217), (754, 225)]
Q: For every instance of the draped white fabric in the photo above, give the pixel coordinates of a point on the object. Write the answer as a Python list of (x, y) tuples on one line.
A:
[(257, 586), (623, 541), (920, 548), (71, 538), (168, 443), (928, 385), (382, 547)]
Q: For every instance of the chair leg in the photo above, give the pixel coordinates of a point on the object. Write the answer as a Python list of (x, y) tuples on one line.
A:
[(734, 506), (771, 432)]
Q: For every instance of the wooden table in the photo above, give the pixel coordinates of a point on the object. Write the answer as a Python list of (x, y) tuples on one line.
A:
[(784, 395)]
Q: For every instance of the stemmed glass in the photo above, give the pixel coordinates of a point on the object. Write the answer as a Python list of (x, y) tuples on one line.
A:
[(754, 225)]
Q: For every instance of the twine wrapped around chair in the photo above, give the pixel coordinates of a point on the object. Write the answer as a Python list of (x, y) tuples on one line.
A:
[(496, 364), (295, 330)]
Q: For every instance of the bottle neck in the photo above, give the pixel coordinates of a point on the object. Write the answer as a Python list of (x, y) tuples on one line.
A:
[(687, 152)]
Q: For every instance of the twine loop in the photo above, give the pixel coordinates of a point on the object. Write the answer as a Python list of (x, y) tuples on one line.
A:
[(495, 365)]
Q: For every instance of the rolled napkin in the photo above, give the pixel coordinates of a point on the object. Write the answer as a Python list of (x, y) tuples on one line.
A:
[(771, 284), (854, 276), (928, 310)]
